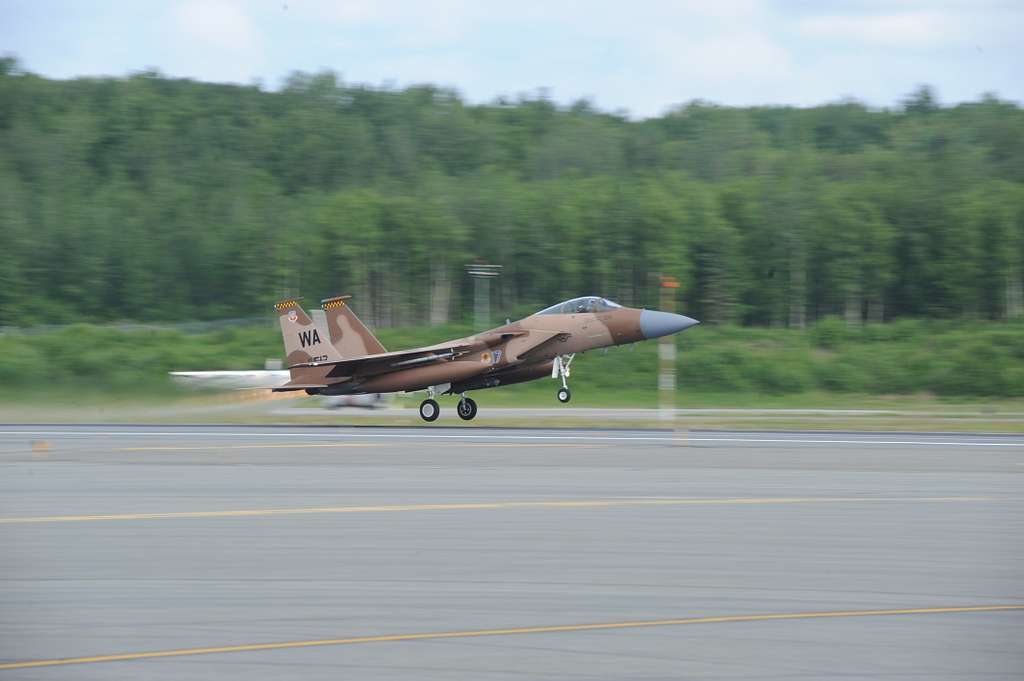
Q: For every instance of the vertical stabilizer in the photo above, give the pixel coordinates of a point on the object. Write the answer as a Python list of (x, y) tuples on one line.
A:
[(320, 322), (304, 343), (349, 336)]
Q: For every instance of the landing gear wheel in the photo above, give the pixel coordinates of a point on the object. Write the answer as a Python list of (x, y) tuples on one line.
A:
[(560, 369), (466, 409), (429, 411)]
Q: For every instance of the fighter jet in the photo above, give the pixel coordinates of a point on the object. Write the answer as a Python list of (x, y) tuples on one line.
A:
[(347, 359)]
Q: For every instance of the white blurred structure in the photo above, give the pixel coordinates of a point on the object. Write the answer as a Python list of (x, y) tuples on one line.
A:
[(230, 380), (270, 377)]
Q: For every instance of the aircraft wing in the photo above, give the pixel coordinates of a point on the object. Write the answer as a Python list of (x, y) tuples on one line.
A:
[(386, 362), (521, 344), (522, 347)]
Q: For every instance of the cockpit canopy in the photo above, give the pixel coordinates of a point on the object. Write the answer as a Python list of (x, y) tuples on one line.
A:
[(584, 304)]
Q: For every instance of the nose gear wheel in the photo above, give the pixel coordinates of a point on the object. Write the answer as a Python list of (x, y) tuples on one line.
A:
[(560, 369)]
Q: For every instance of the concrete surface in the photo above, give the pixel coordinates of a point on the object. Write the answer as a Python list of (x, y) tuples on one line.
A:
[(121, 540)]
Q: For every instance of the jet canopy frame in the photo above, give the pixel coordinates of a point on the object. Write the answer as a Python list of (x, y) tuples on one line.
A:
[(581, 305)]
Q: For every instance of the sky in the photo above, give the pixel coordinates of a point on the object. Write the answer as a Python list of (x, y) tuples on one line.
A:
[(638, 57)]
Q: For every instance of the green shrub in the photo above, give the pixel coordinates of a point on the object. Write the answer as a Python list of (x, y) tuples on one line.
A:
[(829, 333), (978, 368), (944, 357)]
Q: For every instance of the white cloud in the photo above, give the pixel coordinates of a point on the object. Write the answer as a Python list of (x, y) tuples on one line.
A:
[(220, 24), (212, 40), (733, 56), (898, 29), (642, 55), (411, 23)]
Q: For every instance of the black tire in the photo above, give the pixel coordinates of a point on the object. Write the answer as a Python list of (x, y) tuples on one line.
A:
[(564, 395), (429, 411), (466, 409)]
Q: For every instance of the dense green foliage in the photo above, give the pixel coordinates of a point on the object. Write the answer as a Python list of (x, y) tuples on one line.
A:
[(904, 357), (158, 199)]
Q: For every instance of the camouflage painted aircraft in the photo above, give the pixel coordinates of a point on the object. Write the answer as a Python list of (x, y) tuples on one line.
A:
[(340, 356)]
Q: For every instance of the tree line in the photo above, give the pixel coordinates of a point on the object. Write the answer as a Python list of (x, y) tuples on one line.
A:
[(153, 198)]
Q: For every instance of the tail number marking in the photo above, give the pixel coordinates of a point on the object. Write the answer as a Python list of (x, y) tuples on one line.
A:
[(309, 337)]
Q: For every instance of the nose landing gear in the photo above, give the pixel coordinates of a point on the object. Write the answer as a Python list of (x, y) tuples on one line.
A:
[(560, 369)]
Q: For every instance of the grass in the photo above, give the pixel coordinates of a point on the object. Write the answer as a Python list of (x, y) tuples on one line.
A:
[(898, 413), (917, 366)]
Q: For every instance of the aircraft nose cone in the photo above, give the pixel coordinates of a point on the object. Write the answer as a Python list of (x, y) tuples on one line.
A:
[(654, 323)]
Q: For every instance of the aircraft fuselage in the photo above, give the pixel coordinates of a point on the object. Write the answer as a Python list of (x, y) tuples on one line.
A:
[(520, 351)]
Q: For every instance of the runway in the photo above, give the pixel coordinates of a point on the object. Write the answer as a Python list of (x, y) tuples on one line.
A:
[(239, 552)]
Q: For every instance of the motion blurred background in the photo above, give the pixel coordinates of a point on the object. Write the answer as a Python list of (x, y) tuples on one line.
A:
[(839, 188)]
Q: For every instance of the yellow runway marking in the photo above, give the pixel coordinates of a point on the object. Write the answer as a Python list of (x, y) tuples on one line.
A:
[(480, 506), (205, 448), (253, 446), (504, 632), (487, 445)]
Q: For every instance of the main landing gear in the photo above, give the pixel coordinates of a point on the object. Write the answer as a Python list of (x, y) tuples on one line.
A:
[(560, 369), (429, 409)]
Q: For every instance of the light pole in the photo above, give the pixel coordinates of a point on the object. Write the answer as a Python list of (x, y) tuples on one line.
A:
[(667, 354), (482, 275)]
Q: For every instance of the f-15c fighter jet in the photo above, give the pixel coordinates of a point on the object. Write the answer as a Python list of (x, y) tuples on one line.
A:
[(340, 356)]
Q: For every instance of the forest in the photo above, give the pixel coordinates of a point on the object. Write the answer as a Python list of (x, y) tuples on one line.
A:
[(156, 199)]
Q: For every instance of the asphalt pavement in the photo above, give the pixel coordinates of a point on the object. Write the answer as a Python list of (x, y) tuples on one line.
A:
[(430, 553)]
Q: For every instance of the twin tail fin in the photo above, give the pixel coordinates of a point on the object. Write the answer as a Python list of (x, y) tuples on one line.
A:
[(304, 341), (333, 335), (349, 335)]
